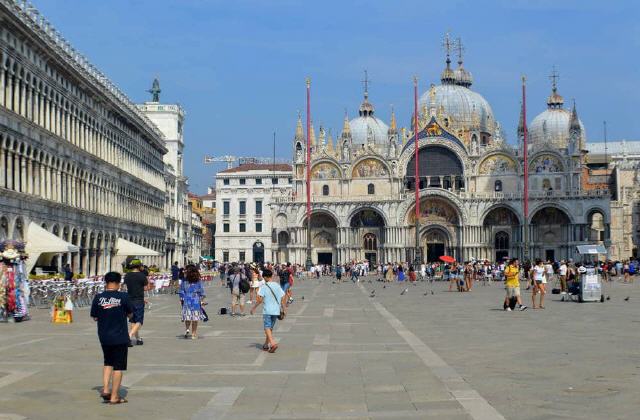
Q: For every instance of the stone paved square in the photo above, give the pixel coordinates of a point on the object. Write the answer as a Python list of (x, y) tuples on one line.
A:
[(344, 355)]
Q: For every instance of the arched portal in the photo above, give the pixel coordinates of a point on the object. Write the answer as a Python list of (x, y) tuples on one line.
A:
[(324, 232), (439, 228), (597, 226), (438, 166), (258, 252), (550, 234), (501, 231), (367, 225), (282, 255), (436, 242)]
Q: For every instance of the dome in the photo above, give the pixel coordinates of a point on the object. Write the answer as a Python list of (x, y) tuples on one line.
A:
[(462, 77), (465, 107), (366, 126), (552, 126)]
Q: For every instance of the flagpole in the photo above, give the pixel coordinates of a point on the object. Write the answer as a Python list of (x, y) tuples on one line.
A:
[(308, 263), (525, 204), (417, 257)]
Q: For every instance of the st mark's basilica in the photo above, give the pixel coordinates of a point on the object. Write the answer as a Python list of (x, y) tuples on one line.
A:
[(470, 185)]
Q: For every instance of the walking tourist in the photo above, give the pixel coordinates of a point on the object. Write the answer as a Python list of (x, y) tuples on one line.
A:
[(111, 309), (136, 282), (255, 283), (175, 271), (562, 274), (274, 300), (512, 285), (237, 297), (191, 298), (540, 279)]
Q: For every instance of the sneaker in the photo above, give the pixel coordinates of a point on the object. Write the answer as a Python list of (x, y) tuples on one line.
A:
[(508, 309), (130, 343), (186, 334), (523, 307), (139, 341)]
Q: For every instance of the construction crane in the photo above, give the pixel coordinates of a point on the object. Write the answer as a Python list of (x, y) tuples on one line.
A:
[(241, 160), (226, 158)]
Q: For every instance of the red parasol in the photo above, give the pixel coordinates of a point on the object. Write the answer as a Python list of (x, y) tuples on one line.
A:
[(447, 259)]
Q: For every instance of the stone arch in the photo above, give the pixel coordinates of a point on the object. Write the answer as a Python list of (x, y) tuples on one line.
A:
[(4, 228), (358, 213), (370, 166), (408, 205), (597, 225), (326, 169), (498, 163), (18, 229), (546, 161), (535, 212), (501, 211)]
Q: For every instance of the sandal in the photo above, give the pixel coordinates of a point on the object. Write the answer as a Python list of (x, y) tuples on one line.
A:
[(265, 347), (273, 348), (118, 401), (106, 397), (194, 336)]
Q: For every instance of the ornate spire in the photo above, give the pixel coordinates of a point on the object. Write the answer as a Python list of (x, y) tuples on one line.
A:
[(330, 143), (312, 135), (393, 126), (521, 123), (299, 130), (574, 123), (323, 136), (366, 108), (447, 76), (346, 127), (555, 101), (461, 75)]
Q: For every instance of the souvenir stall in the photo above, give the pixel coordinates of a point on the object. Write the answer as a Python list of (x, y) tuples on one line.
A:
[(14, 284)]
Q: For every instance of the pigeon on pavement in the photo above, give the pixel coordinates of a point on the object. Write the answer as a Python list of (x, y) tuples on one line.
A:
[(626, 299)]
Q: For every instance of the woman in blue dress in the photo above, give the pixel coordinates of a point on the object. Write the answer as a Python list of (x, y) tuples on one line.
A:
[(191, 297)]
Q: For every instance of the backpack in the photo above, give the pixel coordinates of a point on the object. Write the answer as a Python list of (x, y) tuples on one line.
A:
[(244, 285)]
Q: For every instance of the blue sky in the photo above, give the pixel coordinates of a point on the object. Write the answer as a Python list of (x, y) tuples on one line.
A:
[(238, 67)]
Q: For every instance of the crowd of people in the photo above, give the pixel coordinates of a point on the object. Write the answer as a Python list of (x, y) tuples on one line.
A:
[(271, 286)]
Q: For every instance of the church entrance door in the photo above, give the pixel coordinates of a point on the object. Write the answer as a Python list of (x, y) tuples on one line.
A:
[(325, 258), (371, 257), (258, 252), (550, 254), (435, 251), (436, 240)]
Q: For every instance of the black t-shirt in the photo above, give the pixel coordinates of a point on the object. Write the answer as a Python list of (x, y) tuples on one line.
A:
[(135, 281), (111, 309)]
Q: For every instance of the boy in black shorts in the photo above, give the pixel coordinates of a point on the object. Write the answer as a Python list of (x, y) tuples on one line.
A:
[(111, 309)]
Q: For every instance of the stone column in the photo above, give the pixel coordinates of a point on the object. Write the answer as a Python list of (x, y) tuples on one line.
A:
[(3, 166), (2, 81)]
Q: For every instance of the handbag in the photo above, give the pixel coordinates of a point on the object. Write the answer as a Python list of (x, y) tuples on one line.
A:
[(283, 313)]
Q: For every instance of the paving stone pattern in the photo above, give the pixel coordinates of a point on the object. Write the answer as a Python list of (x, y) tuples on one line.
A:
[(343, 355)]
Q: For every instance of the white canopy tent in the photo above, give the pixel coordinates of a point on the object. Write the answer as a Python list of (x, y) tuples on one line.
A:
[(126, 248), (42, 243)]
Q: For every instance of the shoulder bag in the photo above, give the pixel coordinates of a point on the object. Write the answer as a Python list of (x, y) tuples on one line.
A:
[(282, 311)]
